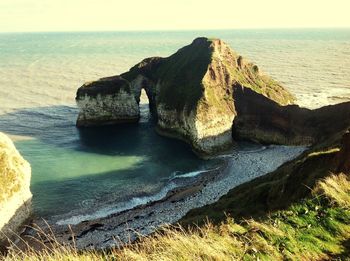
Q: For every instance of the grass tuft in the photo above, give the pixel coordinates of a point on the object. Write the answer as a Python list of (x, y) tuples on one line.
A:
[(313, 229)]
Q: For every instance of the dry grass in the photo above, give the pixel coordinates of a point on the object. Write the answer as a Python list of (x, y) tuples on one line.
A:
[(337, 188), (314, 229)]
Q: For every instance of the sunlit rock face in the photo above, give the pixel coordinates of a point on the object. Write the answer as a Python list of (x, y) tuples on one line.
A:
[(15, 195), (191, 94), (107, 101)]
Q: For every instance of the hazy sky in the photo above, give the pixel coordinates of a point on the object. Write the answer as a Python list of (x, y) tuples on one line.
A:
[(94, 15)]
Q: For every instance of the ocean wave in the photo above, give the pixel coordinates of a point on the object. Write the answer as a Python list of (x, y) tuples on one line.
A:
[(262, 148), (133, 202), (191, 174), (117, 208)]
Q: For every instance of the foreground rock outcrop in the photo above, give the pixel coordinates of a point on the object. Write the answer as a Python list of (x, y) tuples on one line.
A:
[(15, 195), (191, 94)]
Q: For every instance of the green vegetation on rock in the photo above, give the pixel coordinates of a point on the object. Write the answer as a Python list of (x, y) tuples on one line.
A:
[(104, 86), (191, 93), (181, 74)]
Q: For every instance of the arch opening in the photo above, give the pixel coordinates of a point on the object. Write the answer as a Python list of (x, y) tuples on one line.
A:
[(147, 101), (145, 112)]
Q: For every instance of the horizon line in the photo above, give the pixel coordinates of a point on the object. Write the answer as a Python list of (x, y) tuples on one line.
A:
[(178, 30)]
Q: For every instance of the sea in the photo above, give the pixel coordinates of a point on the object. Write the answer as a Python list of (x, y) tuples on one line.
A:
[(78, 169)]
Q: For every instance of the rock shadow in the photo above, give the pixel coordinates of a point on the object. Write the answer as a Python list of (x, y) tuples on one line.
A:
[(261, 119), (55, 125)]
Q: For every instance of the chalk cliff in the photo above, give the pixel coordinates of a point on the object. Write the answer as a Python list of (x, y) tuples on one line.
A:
[(191, 94), (15, 195)]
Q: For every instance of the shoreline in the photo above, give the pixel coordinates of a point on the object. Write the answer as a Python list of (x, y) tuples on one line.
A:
[(175, 186), (208, 187)]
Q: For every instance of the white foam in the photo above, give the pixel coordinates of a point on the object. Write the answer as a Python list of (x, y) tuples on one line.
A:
[(191, 174), (132, 203), (235, 152), (119, 207)]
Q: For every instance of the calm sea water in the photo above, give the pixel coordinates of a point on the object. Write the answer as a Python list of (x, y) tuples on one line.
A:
[(39, 75)]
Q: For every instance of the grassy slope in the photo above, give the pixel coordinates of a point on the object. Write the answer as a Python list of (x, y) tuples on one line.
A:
[(277, 190), (250, 77), (302, 212), (181, 75), (314, 229)]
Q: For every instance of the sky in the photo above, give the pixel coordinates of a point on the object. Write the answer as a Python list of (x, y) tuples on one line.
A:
[(128, 15)]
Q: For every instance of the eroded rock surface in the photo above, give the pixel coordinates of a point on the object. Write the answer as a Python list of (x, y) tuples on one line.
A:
[(107, 101), (15, 195)]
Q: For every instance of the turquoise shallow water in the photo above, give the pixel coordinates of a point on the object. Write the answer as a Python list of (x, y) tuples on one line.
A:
[(78, 169), (72, 169)]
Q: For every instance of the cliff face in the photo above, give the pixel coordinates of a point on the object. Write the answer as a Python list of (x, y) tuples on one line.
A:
[(263, 120), (191, 93), (107, 101), (15, 195)]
